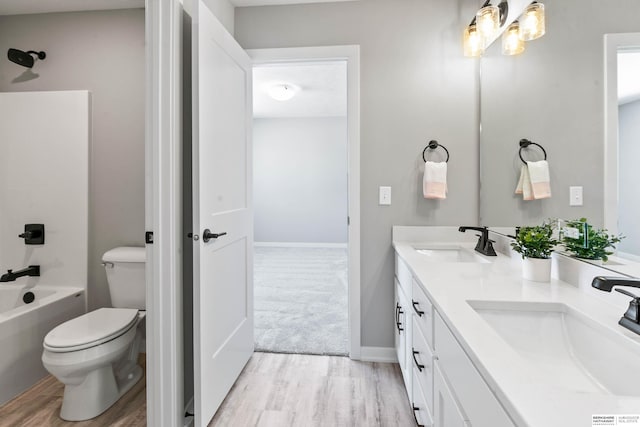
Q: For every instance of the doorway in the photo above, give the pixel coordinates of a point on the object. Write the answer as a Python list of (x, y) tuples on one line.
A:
[(306, 201)]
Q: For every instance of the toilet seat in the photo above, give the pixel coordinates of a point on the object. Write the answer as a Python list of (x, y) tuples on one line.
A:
[(91, 329)]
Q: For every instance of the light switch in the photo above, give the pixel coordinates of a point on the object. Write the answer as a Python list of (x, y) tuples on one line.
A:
[(385, 196), (575, 196)]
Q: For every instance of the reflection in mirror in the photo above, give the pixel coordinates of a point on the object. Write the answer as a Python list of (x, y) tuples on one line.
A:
[(553, 94)]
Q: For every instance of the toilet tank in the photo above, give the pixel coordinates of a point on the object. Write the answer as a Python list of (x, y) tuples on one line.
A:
[(125, 273)]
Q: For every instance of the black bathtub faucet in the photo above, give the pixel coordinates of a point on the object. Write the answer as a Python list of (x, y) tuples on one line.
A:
[(10, 275)]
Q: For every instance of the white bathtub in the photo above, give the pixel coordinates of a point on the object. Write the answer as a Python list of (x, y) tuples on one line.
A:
[(23, 327)]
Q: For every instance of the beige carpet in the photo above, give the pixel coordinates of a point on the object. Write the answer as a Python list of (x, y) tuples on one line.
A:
[(300, 297)]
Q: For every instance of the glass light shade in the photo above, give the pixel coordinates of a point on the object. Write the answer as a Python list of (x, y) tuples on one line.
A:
[(282, 92), (473, 42), (532, 25), (512, 44), (488, 21)]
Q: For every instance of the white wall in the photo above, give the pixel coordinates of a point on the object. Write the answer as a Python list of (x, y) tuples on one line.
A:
[(300, 179), (628, 177), (44, 156), (102, 52), (415, 85)]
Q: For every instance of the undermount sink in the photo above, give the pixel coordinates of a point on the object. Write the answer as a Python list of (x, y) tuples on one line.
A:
[(565, 346), (449, 253)]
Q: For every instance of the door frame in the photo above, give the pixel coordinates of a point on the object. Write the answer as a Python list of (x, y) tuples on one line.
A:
[(163, 212), (350, 54)]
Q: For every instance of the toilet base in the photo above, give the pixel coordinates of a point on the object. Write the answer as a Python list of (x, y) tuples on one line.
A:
[(96, 393)]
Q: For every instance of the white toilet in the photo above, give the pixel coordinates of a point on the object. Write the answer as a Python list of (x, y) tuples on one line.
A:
[(96, 355)]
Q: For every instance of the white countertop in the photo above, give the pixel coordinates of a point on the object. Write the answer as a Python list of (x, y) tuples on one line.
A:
[(530, 397)]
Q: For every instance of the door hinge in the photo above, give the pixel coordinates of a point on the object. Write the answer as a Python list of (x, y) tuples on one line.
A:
[(348, 220), (148, 237)]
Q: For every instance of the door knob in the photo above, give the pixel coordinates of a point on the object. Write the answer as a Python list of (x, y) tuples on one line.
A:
[(208, 235)]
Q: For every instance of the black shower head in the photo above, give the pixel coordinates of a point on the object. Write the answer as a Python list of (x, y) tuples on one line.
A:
[(24, 58)]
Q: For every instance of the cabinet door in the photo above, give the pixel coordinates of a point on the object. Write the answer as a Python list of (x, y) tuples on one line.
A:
[(446, 412)]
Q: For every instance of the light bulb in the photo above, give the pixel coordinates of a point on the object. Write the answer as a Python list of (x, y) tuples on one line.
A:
[(488, 21), (473, 42), (532, 23), (512, 44)]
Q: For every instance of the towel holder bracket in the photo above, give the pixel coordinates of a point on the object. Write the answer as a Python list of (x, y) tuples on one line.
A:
[(524, 143), (433, 144)]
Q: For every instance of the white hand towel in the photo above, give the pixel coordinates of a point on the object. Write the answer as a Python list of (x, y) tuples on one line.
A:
[(434, 183), (540, 181), (524, 184)]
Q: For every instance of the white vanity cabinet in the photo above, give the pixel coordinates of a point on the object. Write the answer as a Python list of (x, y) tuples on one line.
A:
[(445, 388), (402, 329)]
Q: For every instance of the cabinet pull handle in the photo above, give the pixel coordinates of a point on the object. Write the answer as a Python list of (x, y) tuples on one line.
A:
[(416, 309), (398, 322), (415, 409), (418, 365)]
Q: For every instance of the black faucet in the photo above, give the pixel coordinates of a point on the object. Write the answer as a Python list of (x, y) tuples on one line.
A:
[(484, 245), (631, 319), (10, 275)]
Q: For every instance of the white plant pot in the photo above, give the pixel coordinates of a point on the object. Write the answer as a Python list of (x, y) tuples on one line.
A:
[(536, 269)]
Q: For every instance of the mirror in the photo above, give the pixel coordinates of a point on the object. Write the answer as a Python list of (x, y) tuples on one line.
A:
[(552, 94)]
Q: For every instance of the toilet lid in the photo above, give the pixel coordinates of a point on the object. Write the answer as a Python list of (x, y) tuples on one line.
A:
[(91, 329)]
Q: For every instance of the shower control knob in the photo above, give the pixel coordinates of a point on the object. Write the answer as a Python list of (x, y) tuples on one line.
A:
[(208, 235)]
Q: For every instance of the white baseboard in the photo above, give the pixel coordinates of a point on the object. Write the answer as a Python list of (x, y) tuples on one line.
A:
[(299, 245), (378, 354)]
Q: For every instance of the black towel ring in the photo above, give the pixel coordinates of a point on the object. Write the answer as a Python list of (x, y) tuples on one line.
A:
[(433, 144), (524, 143)]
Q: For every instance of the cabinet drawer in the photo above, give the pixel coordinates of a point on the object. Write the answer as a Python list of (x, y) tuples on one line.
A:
[(423, 312), (422, 360), (474, 395), (403, 274), (421, 410)]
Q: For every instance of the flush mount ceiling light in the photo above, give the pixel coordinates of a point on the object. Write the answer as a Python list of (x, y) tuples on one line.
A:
[(282, 91), (512, 44), (532, 25)]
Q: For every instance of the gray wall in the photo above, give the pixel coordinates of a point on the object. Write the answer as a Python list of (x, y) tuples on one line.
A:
[(102, 52), (415, 86), (551, 94), (300, 179), (628, 176)]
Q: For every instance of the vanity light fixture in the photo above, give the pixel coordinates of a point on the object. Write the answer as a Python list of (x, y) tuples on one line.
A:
[(512, 44), (282, 91), (473, 41), (532, 22)]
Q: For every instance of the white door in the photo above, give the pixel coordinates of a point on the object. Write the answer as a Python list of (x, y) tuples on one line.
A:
[(223, 277)]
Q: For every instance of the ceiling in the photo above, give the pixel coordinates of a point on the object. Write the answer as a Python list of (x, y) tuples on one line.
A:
[(628, 76), (20, 7), (323, 89)]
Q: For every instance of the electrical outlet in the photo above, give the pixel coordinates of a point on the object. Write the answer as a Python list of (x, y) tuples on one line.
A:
[(385, 196), (575, 196)]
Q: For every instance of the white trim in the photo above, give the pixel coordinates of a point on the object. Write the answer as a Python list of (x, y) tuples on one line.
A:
[(351, 54), (612, 43), (378, 354), (299, 245), (163, 204)]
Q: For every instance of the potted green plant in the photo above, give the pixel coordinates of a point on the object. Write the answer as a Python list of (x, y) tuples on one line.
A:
[(536, 245), (597, 246)]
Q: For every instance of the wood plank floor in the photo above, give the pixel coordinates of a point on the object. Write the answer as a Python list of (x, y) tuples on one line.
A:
[(283, 390), (279, 390), (40, 407)]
